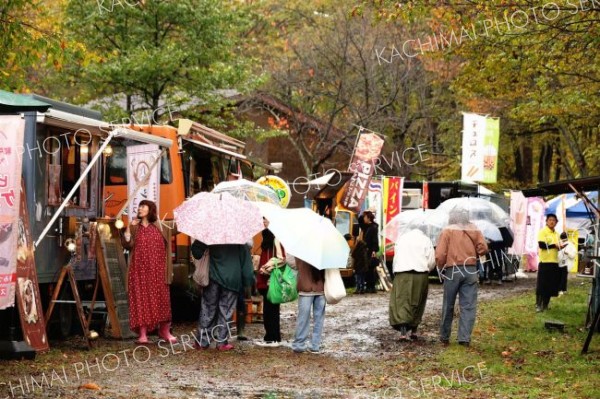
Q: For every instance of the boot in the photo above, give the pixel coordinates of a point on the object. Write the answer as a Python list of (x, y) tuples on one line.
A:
[(240, 326), (164, 332), (538, 304), (143, 337)]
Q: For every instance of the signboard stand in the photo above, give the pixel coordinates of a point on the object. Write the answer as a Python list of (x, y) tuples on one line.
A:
[(68, 271)]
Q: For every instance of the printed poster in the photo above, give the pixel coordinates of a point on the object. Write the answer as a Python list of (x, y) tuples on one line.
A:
[(140, 159), (367, 149), (12, 129)]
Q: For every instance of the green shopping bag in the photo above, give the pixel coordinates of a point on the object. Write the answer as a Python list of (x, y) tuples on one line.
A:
[(282, 285)]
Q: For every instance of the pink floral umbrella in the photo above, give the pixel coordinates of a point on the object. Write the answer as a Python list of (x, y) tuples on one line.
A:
[(218, 219)]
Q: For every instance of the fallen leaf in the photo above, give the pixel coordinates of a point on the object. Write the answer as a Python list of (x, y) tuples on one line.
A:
[(90, 385)]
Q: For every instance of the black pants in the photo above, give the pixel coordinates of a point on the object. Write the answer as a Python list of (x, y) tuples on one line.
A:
[(271, 319), (564, 275)]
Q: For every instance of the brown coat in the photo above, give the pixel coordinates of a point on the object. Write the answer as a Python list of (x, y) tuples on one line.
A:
[(167, 229), (460, 246), (310, 279)]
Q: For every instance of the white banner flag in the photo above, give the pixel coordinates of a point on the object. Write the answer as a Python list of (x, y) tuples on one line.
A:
[(140, 159), (473, 147)]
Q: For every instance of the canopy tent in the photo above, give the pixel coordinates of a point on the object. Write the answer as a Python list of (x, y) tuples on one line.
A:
[(572, 212)]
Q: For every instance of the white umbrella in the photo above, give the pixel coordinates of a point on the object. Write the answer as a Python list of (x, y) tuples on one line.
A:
[(308, 236), (432, 220)]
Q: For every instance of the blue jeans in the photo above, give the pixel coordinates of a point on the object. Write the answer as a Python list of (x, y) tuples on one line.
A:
[(305, 303), (464, 282), (361, 285)]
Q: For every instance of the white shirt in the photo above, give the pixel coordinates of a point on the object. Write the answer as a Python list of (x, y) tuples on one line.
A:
[(566, 256), (413, 251)]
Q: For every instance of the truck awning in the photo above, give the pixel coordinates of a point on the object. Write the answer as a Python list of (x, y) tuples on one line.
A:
[(224, 151), (11, 102)]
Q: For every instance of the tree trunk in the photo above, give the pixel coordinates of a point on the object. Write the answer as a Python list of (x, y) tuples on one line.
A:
[(524, 163)]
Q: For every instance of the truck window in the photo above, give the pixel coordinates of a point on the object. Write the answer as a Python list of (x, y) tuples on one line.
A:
[(342, 222), (116, 167), (65, 163)]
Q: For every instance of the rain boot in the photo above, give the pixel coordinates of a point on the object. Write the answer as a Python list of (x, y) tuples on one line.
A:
[(240, 326), (164, 332), (538, 303), (143, 337)]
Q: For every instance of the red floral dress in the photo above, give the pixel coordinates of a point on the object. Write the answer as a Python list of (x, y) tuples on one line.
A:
[(149, 300)]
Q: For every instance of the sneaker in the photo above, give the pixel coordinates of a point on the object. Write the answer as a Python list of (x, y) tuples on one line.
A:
[(538, 309), (225, 347), (561, 293), (268, 344), (315, 351), (299, 350), (242, 338), (463, 343), (445, 342)]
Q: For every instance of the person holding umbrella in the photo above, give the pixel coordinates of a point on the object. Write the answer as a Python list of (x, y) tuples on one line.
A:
[(311, 296), (459, 246), (150, 272), (230, 267), (414, 259)]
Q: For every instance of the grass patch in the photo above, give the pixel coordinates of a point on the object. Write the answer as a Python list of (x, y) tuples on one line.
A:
[(522, 358)]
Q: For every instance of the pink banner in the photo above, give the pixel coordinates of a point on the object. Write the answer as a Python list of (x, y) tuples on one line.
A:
[(367, 150), (12, 128), (536, 208), (518, 222)]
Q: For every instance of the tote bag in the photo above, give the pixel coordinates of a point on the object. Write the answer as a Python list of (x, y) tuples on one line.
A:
[(200, 275), (282, 285), (334, 286)]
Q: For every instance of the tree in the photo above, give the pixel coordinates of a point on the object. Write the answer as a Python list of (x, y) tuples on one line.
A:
[(29, 41), (327, 69), (536, 65), (157, 52)]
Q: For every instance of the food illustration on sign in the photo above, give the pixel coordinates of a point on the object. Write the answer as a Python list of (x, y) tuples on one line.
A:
[(28, 305)]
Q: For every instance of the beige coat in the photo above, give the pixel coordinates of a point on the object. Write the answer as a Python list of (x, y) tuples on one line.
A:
[(168, 230)]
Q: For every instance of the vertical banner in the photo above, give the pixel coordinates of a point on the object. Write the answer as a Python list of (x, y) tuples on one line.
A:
[(573, 235), (368, 148), (12, 130), (481, 136), (472, 147), (535, 222), (490, 150), (518, 222), (374, 201), (140, 159), (28, 290), (425, 204), (392, 203)]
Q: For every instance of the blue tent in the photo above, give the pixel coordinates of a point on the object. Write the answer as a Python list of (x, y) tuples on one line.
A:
[(576, 210)]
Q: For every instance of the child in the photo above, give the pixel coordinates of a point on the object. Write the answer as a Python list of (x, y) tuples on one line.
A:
[(566, 259)]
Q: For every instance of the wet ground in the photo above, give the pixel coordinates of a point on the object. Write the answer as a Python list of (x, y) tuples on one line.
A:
[(361, 358)]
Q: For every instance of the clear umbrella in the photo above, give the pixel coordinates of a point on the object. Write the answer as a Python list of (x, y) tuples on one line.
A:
[(430, 221), (248, 190), (477, 209)]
